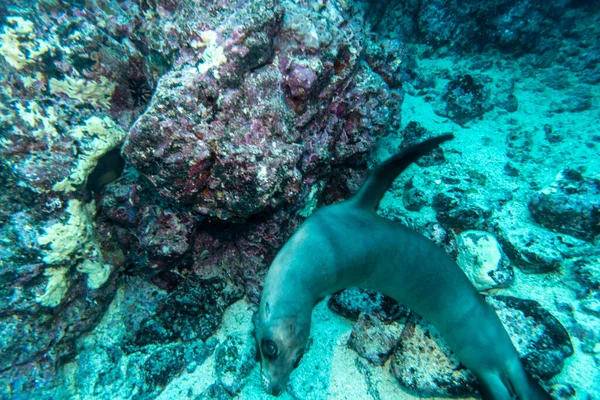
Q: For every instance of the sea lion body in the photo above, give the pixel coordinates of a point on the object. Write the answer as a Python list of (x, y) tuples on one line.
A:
[(347, 245)]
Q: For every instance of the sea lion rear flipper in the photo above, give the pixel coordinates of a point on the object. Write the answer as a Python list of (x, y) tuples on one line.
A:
[(382, 177), (491, 387), (525, 387)]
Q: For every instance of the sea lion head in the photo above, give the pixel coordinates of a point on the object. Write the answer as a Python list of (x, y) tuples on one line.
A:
[(281, 343)]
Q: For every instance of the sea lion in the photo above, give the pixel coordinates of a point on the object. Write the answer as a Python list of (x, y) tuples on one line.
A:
[(348, 244)]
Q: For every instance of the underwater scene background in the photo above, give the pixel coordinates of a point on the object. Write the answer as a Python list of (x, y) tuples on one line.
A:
[(156, 154)]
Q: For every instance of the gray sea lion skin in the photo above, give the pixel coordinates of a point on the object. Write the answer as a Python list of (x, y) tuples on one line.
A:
[(347, 245)]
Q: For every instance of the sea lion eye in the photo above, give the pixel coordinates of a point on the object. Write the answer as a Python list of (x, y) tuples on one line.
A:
[(269, 349)]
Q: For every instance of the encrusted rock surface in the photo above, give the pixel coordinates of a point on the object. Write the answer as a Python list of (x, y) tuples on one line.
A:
[(423, 363), (570, 205), (373, 339), (234, 359), (482, 260), (352, 302)]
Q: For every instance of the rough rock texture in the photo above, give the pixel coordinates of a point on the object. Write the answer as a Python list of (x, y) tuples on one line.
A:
[(65, 103), (372, 339), (534, 249), (464, 99), (247, 109), (482, 259), (234, 359), (353, 302), (570, 205), (423, 363)]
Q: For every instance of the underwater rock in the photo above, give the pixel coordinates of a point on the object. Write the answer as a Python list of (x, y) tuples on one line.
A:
[(570, 205), (386, 57), (591, 305), (531, 248), (504, 97), (164, 364), (539, 337), (513, 27), (234, 360), (413, 198), (424, 364), (231, 165), (214, 392), (575, 102), (372, 339), (352, 302), (587, 271), (441, 236), (197, 351), (464, 99), (413, 133), (482, 260), (193, 309), (458, 210)]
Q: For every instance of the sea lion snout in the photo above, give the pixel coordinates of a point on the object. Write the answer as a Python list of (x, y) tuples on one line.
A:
[(271, 387), (281, 343)]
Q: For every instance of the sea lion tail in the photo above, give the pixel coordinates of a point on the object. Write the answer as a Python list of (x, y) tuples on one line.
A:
[(378, 182)]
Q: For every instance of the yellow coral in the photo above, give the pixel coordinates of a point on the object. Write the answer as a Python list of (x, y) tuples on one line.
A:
[(213, 55), (19, 44), (56, 288), (67, 239), (98, 272), (96, 138), (97, 93)]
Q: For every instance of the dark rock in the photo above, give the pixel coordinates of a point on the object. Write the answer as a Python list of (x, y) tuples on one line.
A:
[(196, 352), (424, 364), (214, 392), (163, 365), (351, 302), (372, 339), (587, 271), (463, 100), (530, 248), (192, 310), (414, 133), (457, 211), (591, 305), (541, 340), (520, 145), (575, 102), (387, 57), (234, 360), (504, 96), (571, 205), (441, 236), (413, 198)]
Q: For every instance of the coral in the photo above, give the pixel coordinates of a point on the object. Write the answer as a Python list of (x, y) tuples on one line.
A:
[(97, 137), (85, 91), (56, 288), (69, 238), (213, 55), (19, 44), (97, 272)]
